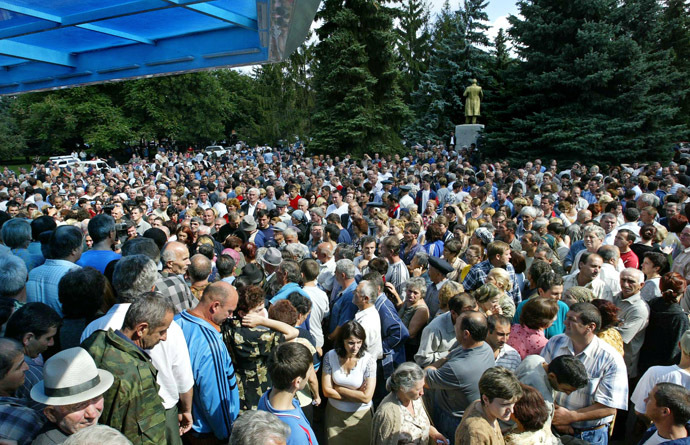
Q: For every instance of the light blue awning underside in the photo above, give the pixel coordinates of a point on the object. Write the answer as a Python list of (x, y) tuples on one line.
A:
[(48, 44)]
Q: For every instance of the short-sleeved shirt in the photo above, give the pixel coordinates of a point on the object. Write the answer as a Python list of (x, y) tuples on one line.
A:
[(301, 432), (608, 378), (365, 368), (250, 349), (634, 317), (458, 379), (557, 327), (526, 341), (654, 375), (508, 357), (98, 259)]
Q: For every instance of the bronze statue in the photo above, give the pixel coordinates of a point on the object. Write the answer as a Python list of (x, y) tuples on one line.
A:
[(474, 95)]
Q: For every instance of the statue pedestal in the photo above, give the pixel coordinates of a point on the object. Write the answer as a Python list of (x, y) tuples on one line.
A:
[(467, 134)]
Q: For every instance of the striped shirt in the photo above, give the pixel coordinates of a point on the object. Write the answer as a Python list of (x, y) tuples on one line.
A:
[(398, 275), (508, 357), (608, 378), (216, 398)]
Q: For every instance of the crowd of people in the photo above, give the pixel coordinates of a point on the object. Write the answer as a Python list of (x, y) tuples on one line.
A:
[(271, 297)]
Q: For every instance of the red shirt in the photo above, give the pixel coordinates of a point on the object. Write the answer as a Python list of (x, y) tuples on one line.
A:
[(630, 259), (293, 202)]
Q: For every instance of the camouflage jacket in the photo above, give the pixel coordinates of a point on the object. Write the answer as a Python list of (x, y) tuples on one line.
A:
[(132, 405)]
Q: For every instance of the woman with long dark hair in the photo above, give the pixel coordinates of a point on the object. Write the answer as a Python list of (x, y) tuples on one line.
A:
[(348, 381)]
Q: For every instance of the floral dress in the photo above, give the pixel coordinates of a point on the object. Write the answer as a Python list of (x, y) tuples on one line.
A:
[(250, 348)]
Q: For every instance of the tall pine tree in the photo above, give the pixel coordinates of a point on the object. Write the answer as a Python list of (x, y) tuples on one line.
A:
[(457, 58), (675, 23), (359, 106), (585, 88), (413, 43)]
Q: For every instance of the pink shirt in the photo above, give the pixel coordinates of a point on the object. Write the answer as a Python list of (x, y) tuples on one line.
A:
[(526, 341)]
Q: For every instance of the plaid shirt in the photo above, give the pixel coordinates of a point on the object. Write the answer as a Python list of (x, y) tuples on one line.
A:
[(18, 421), (608, 378), (477, 276), (176, 290)]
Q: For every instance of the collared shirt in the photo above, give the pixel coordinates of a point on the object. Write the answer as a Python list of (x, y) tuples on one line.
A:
[(438, 338), (508, 357), (407, 257), (371, 322), (477, 276), (608, 378), (681, 263), (169, 357), (18, 421), (43, 282), (326, 275), (634, 317), (142, 227), (597, 286), (431, 297), (343, 309), (175, 289), (393, 335)]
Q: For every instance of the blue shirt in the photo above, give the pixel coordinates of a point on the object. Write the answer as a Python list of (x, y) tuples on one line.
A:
[(393, 335), (98, 259), (558, 326), (216, 401), (301, 432), (285, 292), (344, 309), (43, 283)]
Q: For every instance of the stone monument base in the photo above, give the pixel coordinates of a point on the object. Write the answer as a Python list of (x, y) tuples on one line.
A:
[(467, 134)]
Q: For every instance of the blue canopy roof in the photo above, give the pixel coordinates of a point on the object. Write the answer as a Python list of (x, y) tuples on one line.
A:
[(48, 44)]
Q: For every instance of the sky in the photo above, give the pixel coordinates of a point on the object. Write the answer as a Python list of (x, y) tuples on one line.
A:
[(497, 10)]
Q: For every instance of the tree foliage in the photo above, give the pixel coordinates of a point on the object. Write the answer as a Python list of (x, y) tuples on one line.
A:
[(413, 43), (587, 86), (12, 141), (359, 107), (457, 58)]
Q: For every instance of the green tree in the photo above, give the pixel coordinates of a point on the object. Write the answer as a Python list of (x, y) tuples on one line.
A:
[(284, 98), (359, 107), (675, 23), (188, 108), (457, 58), (55, 122), (583, 89), (12, 141), (497, 99), (413, 43)]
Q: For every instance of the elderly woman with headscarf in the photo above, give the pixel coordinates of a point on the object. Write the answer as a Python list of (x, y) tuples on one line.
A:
[(401, 417)]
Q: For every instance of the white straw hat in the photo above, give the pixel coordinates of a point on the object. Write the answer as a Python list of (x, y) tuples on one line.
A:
[(71, 376)]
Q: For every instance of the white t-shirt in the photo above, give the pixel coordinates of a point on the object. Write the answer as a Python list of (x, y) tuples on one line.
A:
[(656, 439), (340, 211), (365, 368), (654, 375)]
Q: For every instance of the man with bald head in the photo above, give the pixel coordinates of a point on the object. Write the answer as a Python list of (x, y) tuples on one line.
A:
[(175, 259), (634, 317), (216, 398), (200, 268)]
